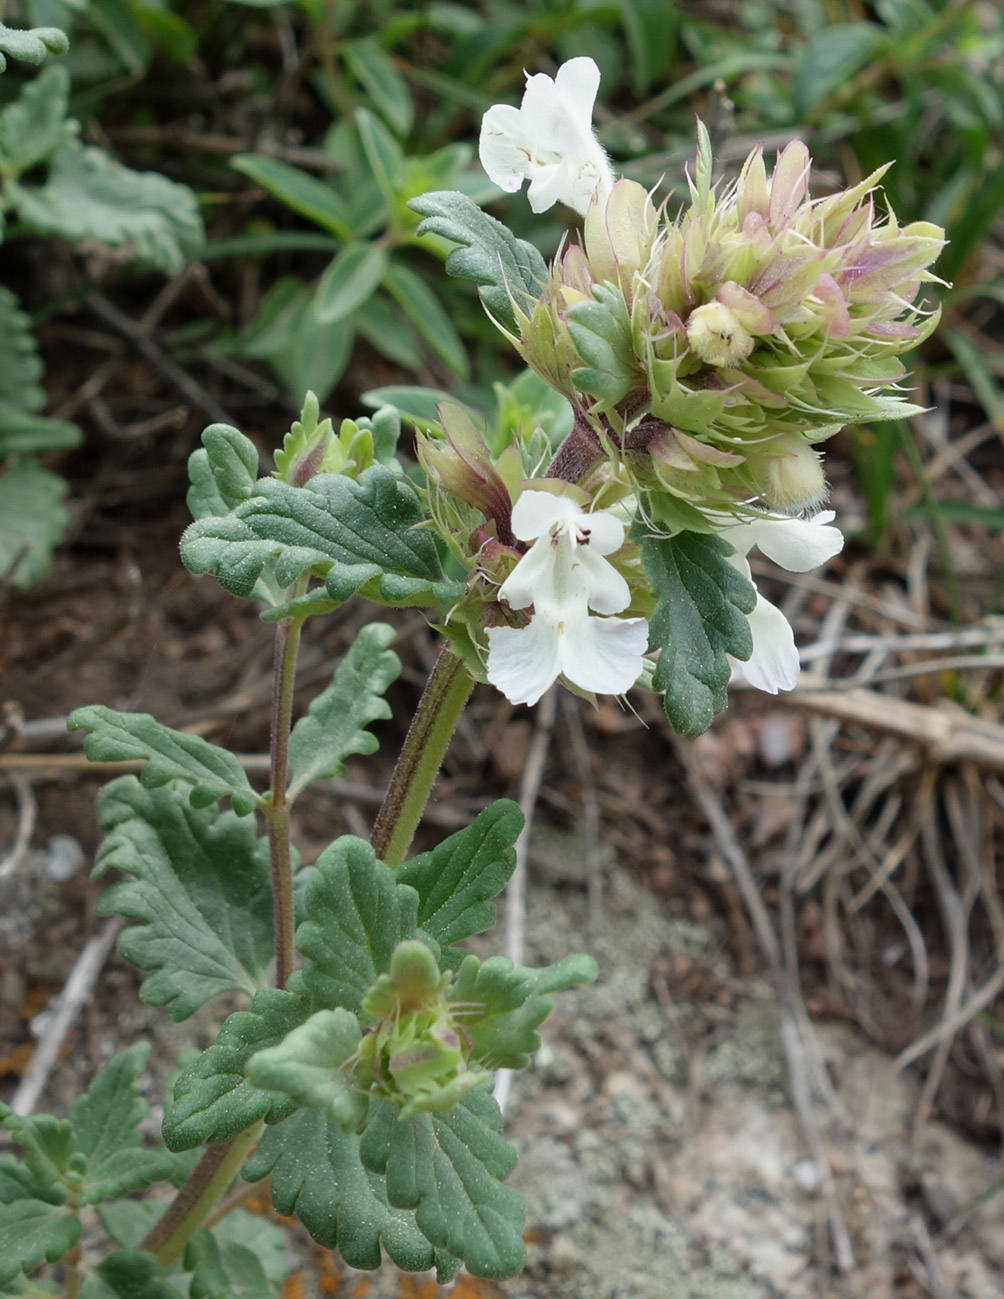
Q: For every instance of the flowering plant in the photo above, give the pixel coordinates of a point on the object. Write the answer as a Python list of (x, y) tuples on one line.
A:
[(702, 358)]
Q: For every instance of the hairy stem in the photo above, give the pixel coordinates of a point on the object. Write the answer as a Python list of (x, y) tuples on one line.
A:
[(446, 692), (287, 643), (209, 1179)]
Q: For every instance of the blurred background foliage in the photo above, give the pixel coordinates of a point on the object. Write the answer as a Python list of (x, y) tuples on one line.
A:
[(305, 127)]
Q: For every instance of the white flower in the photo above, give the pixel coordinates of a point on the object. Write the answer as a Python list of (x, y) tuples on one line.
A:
[(797, 545), (549, 141), (564, 575)]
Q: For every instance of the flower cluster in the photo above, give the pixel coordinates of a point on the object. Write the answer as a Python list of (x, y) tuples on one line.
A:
[(705, 358)]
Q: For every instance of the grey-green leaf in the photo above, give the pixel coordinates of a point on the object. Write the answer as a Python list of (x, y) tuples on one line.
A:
[(500, 1006), (336, 721), (505, 268), (30, 44), (428, 315), (17, 1183), (357, 913), (32, 521), (20, 364), (34, 125), (88, 195), (134, 1274), (105, 1123), (305, 1066), (201, 890), (449, 1169), (350, 279), (213, 1098), (213, 773), (456, 881), (33, 1232), (699, 620), (360, 535), (222, 1269), (316, 1174), (298, 190)]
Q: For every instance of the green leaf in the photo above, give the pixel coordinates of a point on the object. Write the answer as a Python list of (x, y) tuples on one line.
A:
[(20, 364), (134, 1274), (305, 1066), (379, 77), (266, 1240), (306, 355), (224, 1270), (105, 1123), (831, 59), (349, 281), (299, 191), (427, 314), (336, 721), (90, 196), (32, 522), (700, 619), (34, 125), (357, 914), (360, 534), (419, 406), (47, 1142), (31, 44), (17, 1183), (456, 881), (448, 1167), (117, 23), (490, 254), (500, 1005), (213, 772), (650, 28), (32, 1232), (22, 432), (380, 323), (201, 891), (601, 331), (316, 1174), (128, 1221), (385, 157), (213, 1099), (233, 459)]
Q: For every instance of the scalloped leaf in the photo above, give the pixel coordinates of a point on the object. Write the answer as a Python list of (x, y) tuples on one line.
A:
[(32, 521), (33, 1232), (335, 723), (502, 1005), (305, 1066), (505, 268), (88, 195), (361, 535), (456, 881), (213, 1098), (169, 755), (47, 1143), (223, 1269), (699, 620), (448, 1168), (17, 1183), (357, 913), (201, 891), (30, 44), (34, 125), (316, 1174), (134, 1274), (105, 1123)]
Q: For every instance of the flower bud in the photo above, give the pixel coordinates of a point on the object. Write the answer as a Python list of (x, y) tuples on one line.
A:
[(788, 474), (716, 335)]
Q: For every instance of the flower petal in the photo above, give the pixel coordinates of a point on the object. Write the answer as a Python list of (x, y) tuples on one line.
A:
[(605, 530), (503, 148), (578, 80), (524, 661), (548, 185), (773, 665), (533, 575), (535, 513), (604, 655), (798, 545), (604, 588)]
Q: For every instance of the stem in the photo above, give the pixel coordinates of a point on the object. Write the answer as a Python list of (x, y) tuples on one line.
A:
[(209, 1179), (276, 810), (446, 692)]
